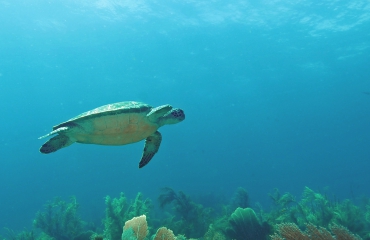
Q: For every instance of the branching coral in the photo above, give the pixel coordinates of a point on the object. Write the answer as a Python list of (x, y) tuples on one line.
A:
[(24, 235), (181, 202), (290, 231), (367, 213), (349, 215), (114, 216), (215, 233), (118, 211), (193, 218), (139, 206), (317, 209), (240, 199), (282, 211), (282, 200), (60, 219)]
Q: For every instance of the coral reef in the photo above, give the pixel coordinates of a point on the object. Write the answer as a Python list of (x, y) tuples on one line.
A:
[(290, 231), (118, 211), (139, 206), (317, 209), (24, 235), (114, 216), (314, 216), (164, 234), (139, 227), (60, 220), (191, 219), (240, 199), (214, 234), (244, 225)]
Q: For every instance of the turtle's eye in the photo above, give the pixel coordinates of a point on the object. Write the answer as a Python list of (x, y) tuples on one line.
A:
[(178, 113)]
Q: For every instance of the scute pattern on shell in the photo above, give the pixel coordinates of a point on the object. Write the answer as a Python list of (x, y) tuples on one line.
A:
[(113, 108)]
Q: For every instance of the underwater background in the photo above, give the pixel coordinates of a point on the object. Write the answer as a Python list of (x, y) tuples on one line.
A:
[(276, 95)]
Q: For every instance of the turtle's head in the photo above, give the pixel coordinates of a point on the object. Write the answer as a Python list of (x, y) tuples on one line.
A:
[(176, 115)]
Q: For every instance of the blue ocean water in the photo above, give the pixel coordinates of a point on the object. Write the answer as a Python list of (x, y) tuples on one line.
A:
[(276, 95)]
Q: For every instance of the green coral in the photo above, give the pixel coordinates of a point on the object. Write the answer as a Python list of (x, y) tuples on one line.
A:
[(349, 215), (24, 235), (114, 216), (139, 206), (60, 220), (317, 209), (191, 219), (313, 208), (128, 234), (367, 213), (240, 199), (282, 200), (244, 225), (118, 211), (281, 204)]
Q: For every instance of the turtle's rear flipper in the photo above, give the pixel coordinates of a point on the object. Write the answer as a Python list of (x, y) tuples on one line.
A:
[(55, 143), (151, 147)]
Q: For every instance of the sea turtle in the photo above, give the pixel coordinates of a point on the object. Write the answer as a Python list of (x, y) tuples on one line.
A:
[(116, 124)]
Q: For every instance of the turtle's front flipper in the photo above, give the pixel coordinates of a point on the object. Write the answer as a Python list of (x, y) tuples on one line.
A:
[(158, 112), (61, 129), (56, 143), (151, 147)]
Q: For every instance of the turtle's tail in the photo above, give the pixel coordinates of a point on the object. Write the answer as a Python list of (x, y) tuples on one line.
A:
[(54, 132)]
